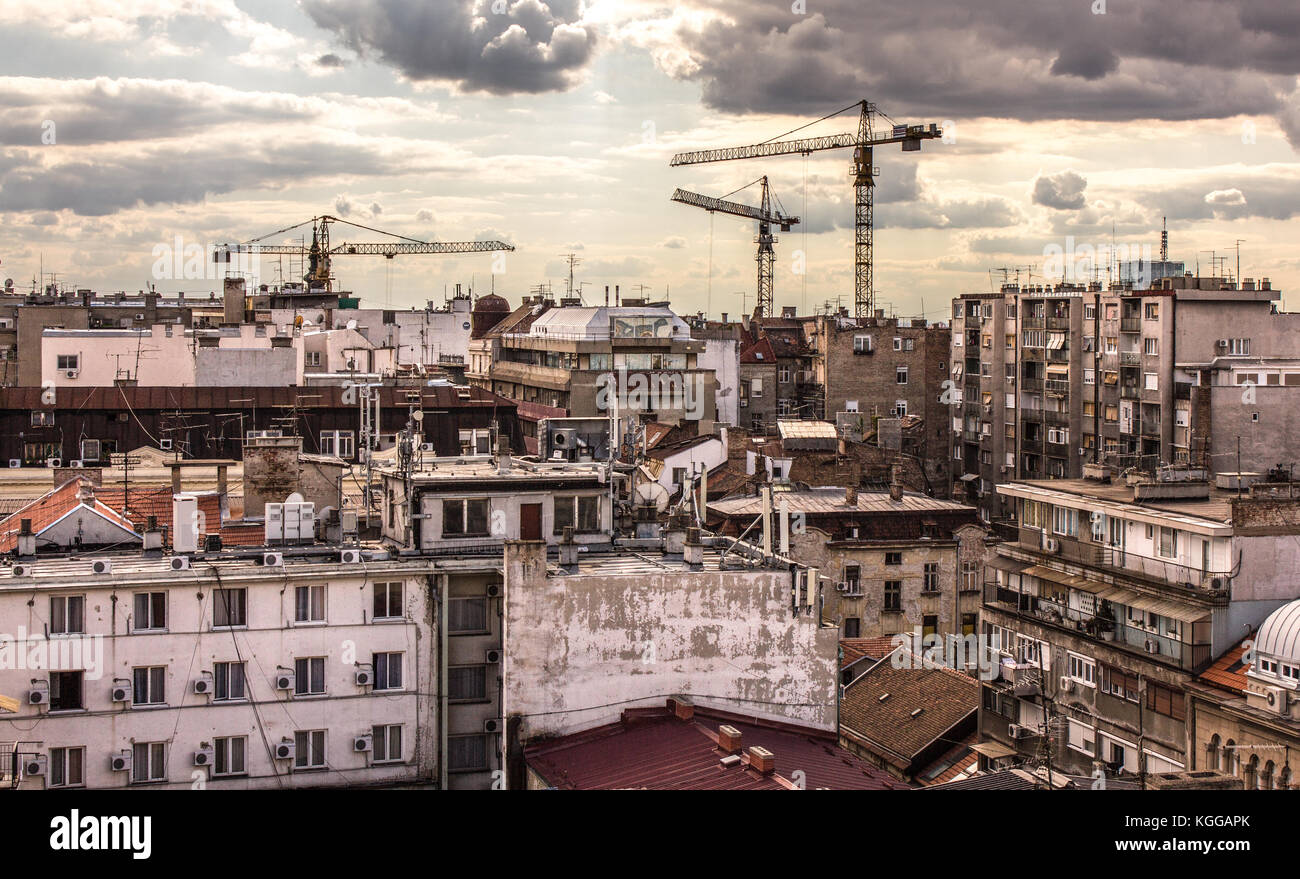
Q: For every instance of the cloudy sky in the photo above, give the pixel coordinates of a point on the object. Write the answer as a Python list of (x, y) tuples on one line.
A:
[(126, 125)]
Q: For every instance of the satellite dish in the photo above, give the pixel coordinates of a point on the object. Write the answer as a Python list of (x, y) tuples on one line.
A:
[(417, 415), (294, 498), (352, 325), (652, 493)]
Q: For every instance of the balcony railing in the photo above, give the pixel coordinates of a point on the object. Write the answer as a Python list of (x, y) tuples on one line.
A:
[(1057, 386), (1058, 323), (1130, 358), (1130, 392), (1032, 323), (1130, 324)]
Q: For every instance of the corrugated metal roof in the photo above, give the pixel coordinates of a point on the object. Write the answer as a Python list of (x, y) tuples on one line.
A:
[(831, 500), (806, 430)]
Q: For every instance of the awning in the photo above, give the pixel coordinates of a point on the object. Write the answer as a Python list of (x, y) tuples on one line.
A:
[(1060, 368), (1172, 609), (993, 750), (1043, 572), (1002, 563), (969, 477)]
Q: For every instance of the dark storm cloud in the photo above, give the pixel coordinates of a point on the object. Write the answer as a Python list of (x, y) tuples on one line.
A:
[(494, 46), (1164, 59), (1063, 191)]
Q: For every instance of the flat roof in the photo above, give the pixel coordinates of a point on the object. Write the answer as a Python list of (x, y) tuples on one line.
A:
[(1217, 508)]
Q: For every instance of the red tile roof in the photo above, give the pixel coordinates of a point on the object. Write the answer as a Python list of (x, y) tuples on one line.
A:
[(761, 347), (1228, 672), (853, 649), (956, 763), (53, 506), (652, 749), (243, 534), (157, 502)]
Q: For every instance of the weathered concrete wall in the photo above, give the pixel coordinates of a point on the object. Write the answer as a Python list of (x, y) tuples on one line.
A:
[(247, 367), (582, 649)]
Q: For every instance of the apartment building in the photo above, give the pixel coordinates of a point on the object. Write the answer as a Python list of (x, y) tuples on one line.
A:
[(900, 562), (580, 359), (1046, 379), (219, 671), (1110, 600)]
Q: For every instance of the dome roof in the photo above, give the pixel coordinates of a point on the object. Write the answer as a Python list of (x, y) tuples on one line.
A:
[(492, 302), (1279, 636)]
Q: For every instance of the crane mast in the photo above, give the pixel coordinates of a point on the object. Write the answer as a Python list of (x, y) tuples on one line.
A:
[(863, 172)]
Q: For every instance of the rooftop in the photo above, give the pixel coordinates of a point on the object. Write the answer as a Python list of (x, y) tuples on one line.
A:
[(651, 749), (1217, 508), (824, 499)]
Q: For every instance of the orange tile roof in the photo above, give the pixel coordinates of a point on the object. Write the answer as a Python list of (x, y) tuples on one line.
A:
[(854, 649), (1228, 672), (956, 763), (53, 506), (157, 502), (243, 534)]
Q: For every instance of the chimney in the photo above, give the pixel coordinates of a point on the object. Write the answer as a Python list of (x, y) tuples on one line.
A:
[(607, 296), (675, 534), (693, 549), (26, 540), (730, 740), (503, 454), (617, 297), (762, 760), (724, 317), (767, 519), (681, 707), (851, 496), (153, 542)]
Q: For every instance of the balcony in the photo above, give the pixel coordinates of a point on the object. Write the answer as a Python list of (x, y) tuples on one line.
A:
[(1034, 354), (1057, 386), (1058, 322), (1130, 324), (1150, 428), (1130, 358), (1130, 392), (1056, 419), (1033, 322), (1031, 384)]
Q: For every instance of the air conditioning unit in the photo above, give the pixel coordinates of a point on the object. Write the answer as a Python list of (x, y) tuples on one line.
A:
[(15, 462), (1067, 684), (1016, 731), (102, 566), (71, 373), (180, 563), (120, 762), (53, 462), (1218, 583), (284, 680), (284, 751), (494, 590), (203, 684), (22, 570), (1279, 700), (350, 557), (492, 657), (273, 559), (1051, 544), (76, 463), (204, 757), (1151, 646), (39, 694), (1222, 343), (121, 692), (363, 743), (492, 725), (365, 675), (35, 765), (428, 447)]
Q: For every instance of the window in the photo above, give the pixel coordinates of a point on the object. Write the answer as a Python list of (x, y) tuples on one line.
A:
[(1152, 381), (67, 615), (1119, 684), (339, 443), (931, 581), (1065, 521), (1089, 376), (1168, 546), (67, 767), (66, 691), (783, 374), (68, 361), (893, 558), (475, 442), (229, 608), (309, 749), (852, 627), (900, 409), (467, 683), (387, 743), (309, 676), (900, 375), (1151, 347), (1083, 670), (1239, 346), (388, 601), (229, 757), (968, 621), (582, 514), (1112, 344), (228, 681), (309, 604), (1166, 701), (148, 762), (969, 576), (148, 685), (863, 345), (388, 671), (852, 578), (467, 615), (312, 358), (893, 596), (467, 753), (465, 518), (1152, 310), (150, 612), (929, 625), (756, 387)]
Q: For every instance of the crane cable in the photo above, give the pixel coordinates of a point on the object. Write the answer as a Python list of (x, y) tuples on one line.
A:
[(708, 305)]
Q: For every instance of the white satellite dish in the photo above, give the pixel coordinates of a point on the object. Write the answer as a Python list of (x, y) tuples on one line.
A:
[(652, 493), (294, 498), (352, 325)]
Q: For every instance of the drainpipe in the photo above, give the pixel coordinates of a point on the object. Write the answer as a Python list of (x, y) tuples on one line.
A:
[(440, 591)]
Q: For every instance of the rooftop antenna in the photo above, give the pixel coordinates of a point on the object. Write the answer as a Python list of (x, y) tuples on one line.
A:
[(1164, 240)]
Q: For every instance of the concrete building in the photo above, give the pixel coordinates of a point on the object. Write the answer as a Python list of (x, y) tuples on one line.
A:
[(228, 674), (1049, 378), (899, 562), (580, 359), (1111, 599), (758, 389)]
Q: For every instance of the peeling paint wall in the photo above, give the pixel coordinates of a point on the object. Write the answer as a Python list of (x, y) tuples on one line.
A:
[(580, 649)]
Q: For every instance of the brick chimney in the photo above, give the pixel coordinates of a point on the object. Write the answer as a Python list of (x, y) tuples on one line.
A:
[(762, 760), (730, 740), (851, 496), (682, 708)]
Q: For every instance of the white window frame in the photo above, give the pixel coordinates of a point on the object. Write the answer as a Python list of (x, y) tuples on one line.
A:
[(315, 610), (384, 681), (302, 683), (381, 738), (150, 624), (155, 754), (311, 747), (221, 671), (155, 678), (59, 760), (224, 752), (1082, 669)]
